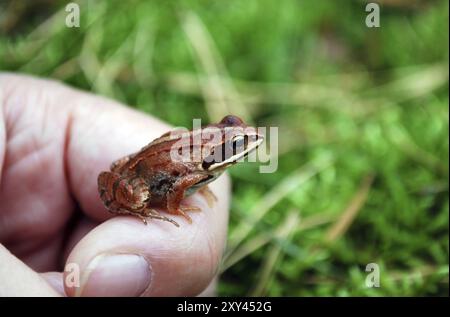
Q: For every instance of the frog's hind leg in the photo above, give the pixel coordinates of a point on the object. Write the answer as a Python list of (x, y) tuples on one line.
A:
[(127, 196), (105, 183)]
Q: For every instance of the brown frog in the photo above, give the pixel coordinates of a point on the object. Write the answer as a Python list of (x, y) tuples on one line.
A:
[(174, 166)]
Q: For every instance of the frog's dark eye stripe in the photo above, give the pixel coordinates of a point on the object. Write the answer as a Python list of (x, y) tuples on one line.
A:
[(204, 181), (226, 151), (207, 162), (239, 143), (232, 151)]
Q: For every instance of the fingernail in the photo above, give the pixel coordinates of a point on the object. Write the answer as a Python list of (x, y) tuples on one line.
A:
[(116, 275)]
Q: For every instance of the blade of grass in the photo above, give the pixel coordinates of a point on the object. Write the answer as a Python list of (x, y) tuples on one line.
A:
[(419, 81), (272, 197), (88, 61), (348, 216), (343, 222), (143, 50), (263, 238), (254, 93), (423, 271), (217, 88), (65, 70), (401, 138), (109, 70), (284, 232)]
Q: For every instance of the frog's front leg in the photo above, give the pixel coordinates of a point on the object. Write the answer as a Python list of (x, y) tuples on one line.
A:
[(209, 195), (124, 195), (176, 195)]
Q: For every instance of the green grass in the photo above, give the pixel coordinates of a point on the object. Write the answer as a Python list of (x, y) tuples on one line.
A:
[(362, 116)]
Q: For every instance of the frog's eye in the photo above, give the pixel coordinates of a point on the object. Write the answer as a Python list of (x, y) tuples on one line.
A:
[(231, 121)]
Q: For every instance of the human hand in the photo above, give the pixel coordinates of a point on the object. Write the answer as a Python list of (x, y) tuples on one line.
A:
[(54, 141)]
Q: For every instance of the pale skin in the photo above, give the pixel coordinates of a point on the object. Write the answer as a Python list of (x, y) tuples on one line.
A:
[(54, 141)]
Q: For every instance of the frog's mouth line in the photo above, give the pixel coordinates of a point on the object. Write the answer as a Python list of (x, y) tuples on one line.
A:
[(200, 184)]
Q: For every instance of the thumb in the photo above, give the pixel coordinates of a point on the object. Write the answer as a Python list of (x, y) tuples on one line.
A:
[(17, 279), (124, 257)]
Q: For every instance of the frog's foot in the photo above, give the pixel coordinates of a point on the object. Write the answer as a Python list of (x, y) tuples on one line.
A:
[(182, 211), (154, 214), (209, 196)]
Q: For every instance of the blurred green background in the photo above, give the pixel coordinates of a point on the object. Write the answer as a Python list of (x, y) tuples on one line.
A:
[(363, 118)]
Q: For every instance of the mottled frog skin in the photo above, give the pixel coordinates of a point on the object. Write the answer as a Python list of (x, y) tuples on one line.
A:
[(152, 178)]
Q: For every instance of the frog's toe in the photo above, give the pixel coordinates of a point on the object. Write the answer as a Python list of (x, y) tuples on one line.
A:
[(154, 214), (190, 208), (182, 212), (209, 196)]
